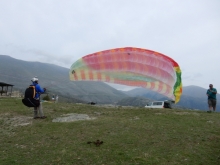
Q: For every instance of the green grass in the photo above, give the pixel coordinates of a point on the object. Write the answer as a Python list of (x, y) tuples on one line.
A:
[(131, 136)]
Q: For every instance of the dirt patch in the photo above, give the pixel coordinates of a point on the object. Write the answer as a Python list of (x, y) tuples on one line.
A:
[(187, 113), (135, 118), (72, 117), (9, 122), (158, 113)]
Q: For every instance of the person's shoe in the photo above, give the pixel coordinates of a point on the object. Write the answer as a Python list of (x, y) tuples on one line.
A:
[(36, 117), (43, 117), (209, 111)]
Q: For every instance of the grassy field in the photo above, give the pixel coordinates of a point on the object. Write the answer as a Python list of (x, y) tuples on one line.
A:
[(131, 136)]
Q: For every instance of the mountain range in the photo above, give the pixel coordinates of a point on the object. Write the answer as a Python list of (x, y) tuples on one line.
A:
[(56, 80)]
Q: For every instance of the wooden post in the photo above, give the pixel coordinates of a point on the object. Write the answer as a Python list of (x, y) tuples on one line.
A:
[(6, 91), (11, 90), (1, 90)]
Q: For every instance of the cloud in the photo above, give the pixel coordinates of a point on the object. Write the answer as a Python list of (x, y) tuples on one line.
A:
[(61, 32)]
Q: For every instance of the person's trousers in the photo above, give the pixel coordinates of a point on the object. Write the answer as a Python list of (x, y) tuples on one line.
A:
[(38, 111)]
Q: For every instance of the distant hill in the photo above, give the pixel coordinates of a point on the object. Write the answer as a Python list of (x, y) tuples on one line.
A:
[(147, 93), (195, 91), (193, 97), (56, 80)]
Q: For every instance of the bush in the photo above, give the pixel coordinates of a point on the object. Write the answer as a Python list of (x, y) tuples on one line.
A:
[(47, 98)]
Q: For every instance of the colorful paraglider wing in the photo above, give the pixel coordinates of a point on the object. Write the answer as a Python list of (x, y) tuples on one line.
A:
[(133, 67)]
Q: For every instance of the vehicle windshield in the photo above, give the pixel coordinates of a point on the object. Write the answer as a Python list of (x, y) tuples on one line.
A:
[(158, 103)]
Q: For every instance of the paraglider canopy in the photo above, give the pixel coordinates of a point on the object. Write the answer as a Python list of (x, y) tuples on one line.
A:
[(133, 67)]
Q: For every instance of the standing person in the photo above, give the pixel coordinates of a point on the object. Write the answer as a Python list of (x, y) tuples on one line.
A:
[(53, 98), (38, 91), (57, 98), (211, 93)]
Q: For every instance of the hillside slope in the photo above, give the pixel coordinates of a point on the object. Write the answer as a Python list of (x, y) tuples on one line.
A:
[(131, 136)]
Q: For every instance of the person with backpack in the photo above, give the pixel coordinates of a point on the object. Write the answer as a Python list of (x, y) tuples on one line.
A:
[(38, 91), (32, 98)]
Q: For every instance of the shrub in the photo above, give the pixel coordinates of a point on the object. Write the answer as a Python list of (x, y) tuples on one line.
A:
[(46, 98)]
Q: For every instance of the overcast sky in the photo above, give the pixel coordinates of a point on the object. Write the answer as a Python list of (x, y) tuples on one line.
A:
[(62, 31)]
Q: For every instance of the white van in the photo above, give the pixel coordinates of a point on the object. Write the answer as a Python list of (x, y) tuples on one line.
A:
[(159, 104)]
